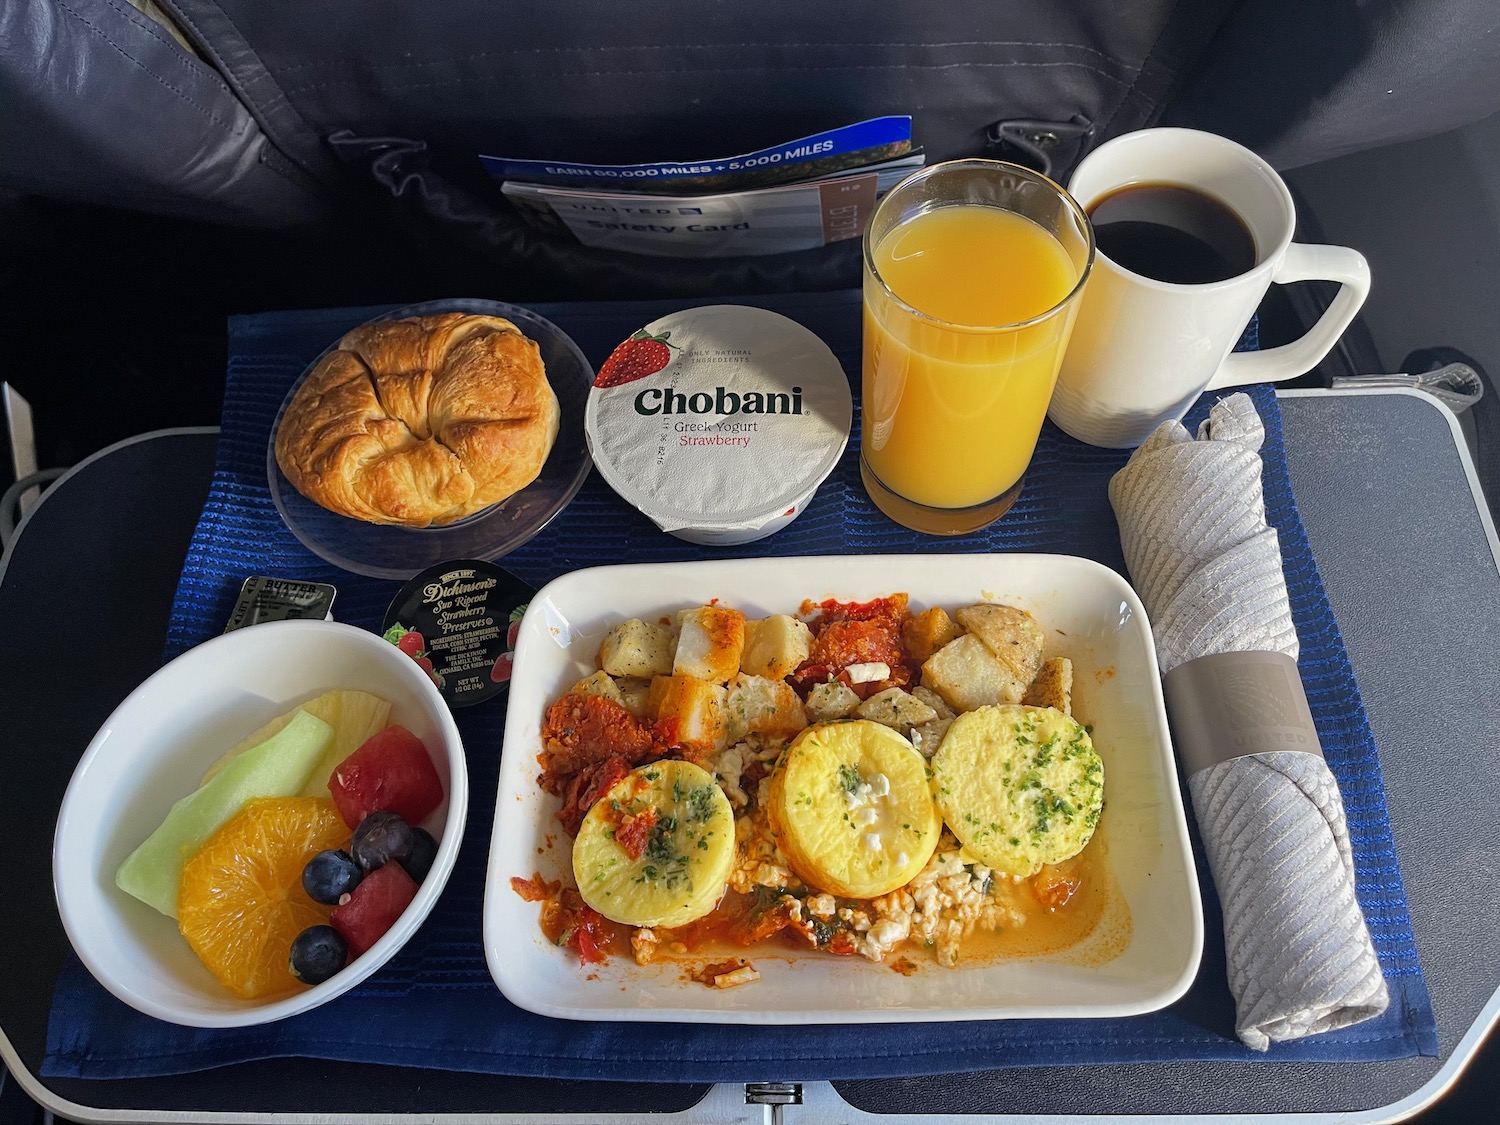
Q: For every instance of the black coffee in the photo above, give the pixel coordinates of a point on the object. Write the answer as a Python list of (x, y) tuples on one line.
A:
[(1173, 234)]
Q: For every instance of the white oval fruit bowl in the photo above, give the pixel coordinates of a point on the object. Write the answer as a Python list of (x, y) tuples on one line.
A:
[(156, 747)]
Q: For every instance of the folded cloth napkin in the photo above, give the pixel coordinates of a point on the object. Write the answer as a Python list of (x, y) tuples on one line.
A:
[(1208, 569)]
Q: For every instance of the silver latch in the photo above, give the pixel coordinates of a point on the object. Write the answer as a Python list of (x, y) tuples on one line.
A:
[(1456, 385), (773, 1095), (1049, 147)]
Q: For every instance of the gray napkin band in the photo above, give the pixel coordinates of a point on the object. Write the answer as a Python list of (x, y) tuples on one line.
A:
[(1234, 704)]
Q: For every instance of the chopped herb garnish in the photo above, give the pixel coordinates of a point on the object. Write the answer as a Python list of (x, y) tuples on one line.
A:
[(700, 803)]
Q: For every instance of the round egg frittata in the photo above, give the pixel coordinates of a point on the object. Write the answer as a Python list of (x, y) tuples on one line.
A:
[(852, 808), (1019, 786), (657, 848)]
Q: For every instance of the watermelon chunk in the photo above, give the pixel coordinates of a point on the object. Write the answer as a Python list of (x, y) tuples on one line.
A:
[(373, 907), (392, 771)]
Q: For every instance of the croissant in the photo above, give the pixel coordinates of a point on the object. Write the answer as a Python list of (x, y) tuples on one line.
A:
[(420, 422)]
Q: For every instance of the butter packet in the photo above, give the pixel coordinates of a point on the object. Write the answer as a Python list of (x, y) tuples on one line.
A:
[(280, 599)]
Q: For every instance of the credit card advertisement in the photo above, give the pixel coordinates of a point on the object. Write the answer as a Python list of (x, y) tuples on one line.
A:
[(823, 154), (770, 221)]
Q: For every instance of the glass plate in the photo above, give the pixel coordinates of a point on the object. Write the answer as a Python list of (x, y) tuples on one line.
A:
[(383, 551)]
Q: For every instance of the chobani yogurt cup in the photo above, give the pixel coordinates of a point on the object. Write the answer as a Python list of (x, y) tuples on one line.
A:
[(719, 423)]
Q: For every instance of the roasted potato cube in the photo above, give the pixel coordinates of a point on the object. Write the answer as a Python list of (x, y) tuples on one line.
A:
[(710, 642), (697, 705), (637, 648), (633, 694), (599, 684), (968, 675), (1012, 634), (929, 631), (833, 700), (929, 736), (775, 646), (897, 709), (933, 700), (758, 705), (1053, 686)]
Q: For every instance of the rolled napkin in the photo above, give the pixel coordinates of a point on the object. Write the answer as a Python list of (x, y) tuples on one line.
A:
[(1208, 569)]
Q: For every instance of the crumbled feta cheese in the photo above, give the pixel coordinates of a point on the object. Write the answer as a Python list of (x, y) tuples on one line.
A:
[(869, 673), (745, 974), (643, 944)]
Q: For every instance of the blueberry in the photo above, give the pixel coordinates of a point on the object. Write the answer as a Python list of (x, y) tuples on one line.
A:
[(418, 861), (329, 876), (381, 837), (317, 953)]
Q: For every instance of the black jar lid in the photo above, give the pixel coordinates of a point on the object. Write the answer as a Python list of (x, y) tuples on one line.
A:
[(466, 613)]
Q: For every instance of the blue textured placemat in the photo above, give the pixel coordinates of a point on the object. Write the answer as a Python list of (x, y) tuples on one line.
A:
[(434, 1004)]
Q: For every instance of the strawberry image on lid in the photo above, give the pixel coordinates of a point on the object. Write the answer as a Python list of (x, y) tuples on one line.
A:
[(459, 621), (641, 355), (719, 423)]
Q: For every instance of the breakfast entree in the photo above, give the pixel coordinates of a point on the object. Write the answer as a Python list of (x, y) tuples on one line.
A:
[(854, 779)]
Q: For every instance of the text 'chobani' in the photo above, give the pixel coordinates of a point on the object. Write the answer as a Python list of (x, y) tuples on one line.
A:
[(723, 432), (667, 400)]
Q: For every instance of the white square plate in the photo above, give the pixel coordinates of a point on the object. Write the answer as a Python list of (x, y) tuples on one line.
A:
[(1091, 615)]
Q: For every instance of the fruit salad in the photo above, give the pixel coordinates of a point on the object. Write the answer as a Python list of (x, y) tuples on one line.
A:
[(854, 778), (301, 847)]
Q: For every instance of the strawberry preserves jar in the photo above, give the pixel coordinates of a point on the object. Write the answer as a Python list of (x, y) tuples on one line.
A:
[(719, 423)]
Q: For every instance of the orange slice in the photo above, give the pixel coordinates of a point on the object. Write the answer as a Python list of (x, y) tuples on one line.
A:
[(241, 902)]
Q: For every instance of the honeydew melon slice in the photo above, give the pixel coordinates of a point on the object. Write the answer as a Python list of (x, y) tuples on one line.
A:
[(278, 767), (354, 717)]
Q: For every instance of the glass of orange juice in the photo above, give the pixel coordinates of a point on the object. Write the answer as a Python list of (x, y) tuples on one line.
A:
[(972, 274)]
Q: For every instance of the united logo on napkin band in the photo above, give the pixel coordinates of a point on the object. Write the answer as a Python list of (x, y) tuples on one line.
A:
[(1231, 704)]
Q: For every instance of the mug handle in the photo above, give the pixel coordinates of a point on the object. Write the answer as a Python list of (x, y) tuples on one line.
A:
[(1303, 262)]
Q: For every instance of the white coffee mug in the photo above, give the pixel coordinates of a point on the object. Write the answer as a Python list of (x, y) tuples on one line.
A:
[(1142, 350)]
